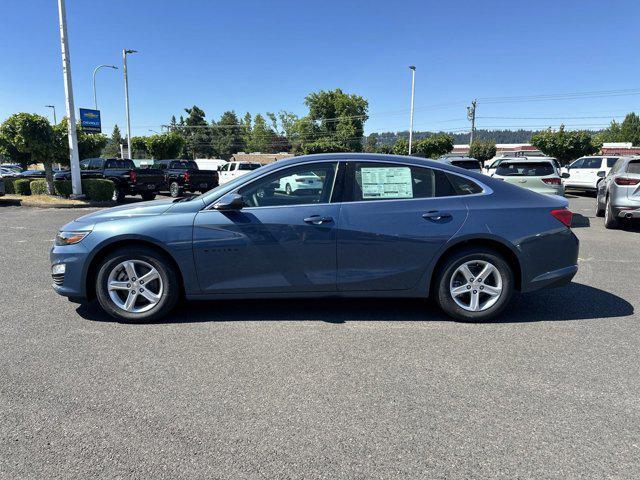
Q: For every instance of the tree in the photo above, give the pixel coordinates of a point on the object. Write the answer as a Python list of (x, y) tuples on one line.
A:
[(371, 143), (139, 147), (401, 147), (482, 150), (228, 135), (164, 146), (565, 145), (630, 129), (30, 136), (112, 149), (197, 133), (261, 138), (433, 146)]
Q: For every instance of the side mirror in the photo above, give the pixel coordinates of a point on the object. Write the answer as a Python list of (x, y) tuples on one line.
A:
[(230, 201), (602, 174), (565, 175)]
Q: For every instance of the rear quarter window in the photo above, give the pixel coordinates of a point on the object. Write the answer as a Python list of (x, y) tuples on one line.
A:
[(634, 167)]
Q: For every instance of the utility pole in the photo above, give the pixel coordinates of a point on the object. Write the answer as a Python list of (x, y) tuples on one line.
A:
[(76, 184), (55, 119), (95, 70), (413, 86), (126, 96), (471, 115)]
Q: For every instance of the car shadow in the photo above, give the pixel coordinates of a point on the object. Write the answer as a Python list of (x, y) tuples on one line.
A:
[(580, 221), (572, 302)]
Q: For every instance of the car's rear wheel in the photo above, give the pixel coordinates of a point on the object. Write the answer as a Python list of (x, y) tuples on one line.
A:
[(174, 190), (610, 219), (474, 285), (599, 207), (137, 285), (118, 194)]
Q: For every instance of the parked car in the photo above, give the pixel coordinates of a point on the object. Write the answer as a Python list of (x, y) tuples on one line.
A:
[(380, 226), (232, 170), (618, 197), (539, 175), (12, 166), (584, 172), (128, 179), (468, 163), (184, 176), (8, 172), (298, 184), (210, 163), (492, 165), (1, 187)]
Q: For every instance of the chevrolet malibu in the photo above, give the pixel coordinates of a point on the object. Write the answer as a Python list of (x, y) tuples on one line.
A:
[(379, 226)]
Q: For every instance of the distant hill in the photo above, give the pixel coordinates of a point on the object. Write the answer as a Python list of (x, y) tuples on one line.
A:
[(499, 136)]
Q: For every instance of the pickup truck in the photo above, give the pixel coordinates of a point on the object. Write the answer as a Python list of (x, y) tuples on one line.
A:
[(128, 179), (233, 170), (184, 176)]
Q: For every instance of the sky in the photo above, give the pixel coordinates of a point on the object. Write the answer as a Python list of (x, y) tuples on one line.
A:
[(261, 56)]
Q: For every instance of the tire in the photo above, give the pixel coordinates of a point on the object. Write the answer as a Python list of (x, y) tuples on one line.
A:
[(489, 306), (118, 194), (610, 220), (287, 189), (599, 207), (174, 190), (147, 196), (166, 286)]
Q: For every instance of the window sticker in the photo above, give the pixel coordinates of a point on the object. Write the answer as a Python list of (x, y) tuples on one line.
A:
[(388, 182)]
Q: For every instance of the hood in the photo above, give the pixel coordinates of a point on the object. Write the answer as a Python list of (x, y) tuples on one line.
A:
[(155, 207)]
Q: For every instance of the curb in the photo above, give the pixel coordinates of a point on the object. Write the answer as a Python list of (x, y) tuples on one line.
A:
[(26, 203)]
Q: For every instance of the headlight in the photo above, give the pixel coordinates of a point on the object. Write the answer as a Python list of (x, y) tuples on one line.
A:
[(69, 238)]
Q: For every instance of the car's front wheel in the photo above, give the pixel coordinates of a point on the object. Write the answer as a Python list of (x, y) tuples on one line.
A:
[(137, 285), (474, 285)]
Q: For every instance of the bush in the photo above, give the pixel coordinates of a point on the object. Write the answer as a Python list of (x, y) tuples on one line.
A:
[(98, 189), (8, 185), (38, 187), (21, 186)]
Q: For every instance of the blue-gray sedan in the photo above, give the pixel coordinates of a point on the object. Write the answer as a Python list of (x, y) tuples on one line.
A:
[(351, 225)]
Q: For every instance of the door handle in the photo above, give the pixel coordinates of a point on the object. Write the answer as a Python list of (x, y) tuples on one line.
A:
[(435, 215), (318, 220)]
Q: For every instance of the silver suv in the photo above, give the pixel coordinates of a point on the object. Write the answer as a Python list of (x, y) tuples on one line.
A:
[(619, 193)]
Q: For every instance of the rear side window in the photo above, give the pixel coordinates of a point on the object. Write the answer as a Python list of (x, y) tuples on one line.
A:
[(592, 163), (525, 169), (633, 167), (466, 164), (387, 181)]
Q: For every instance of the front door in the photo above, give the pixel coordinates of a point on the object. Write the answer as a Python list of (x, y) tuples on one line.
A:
[(394, 220), (278, 242)]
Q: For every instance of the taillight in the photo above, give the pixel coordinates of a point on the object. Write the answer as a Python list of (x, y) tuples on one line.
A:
[(552, 181), (625, 181), (133, 176), (186, 176), (565, 216)]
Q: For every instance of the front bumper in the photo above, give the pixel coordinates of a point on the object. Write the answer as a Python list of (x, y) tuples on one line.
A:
[(75, 258)]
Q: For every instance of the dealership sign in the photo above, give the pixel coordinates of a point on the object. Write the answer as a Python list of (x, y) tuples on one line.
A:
[(90, 120)]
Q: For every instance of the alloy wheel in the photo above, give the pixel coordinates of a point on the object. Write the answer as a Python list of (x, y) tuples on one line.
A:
[(135, 286), (476, 285)]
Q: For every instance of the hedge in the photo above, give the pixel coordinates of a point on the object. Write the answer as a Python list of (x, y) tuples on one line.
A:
[(8, 184), (96, 189), (21, 186)]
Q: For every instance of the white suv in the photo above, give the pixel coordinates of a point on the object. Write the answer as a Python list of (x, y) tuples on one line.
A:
[(233, 170), (583, 172)]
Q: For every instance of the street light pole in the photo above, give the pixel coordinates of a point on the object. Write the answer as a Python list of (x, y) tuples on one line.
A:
[(413, 85), (95, 70), (126, 96), (76, 184), (55, 120)]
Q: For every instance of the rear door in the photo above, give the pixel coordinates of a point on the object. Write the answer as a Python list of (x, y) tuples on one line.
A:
[(393, 221)]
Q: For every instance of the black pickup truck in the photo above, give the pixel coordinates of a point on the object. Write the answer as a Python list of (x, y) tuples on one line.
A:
[(184, 176), (128, 179)]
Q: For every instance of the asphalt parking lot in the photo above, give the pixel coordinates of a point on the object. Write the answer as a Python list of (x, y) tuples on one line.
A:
[(321, 389)]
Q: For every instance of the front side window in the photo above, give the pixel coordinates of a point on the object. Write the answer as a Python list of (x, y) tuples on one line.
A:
[(299, 185), (577, 164), (387, 181), (525, 169)]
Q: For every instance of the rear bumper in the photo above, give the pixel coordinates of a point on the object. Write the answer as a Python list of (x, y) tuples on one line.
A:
[(554, 278), (627, 213)]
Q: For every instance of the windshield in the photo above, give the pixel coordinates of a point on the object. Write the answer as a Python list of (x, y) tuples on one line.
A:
[(185, 165), (466, 164), (525, 169)]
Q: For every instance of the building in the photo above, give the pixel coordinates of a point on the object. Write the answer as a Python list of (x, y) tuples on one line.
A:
[(262, 158), (619, 148), (512, 149)]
